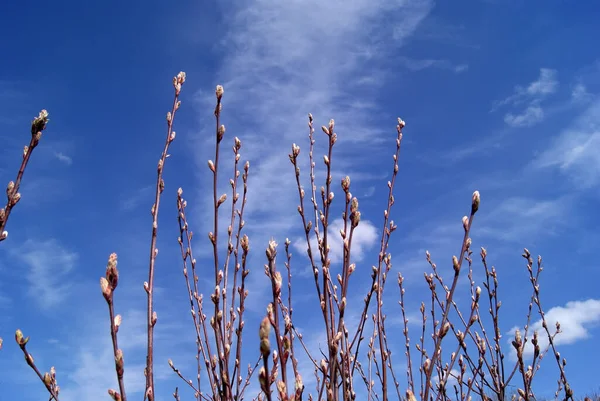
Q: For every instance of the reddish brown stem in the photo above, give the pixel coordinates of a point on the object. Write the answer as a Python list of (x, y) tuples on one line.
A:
[(149, 287), (12, 191)]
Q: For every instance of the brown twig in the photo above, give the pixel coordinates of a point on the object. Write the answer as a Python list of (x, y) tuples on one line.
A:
[(49, 380), (409, 372), (149, 285), (198, 317), (108, 285), (12, 190), (560, 363), (456, 262)]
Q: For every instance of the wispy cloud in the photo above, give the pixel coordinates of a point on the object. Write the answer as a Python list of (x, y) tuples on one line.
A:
[(41, 190), (546, 83), (286, 59), (370, 191), (93, 371), (580, 94), (532, 115), (575, 319), (421, 64), (443, 31), (576, 151), (47, 267), (133, 200), (63, 158), (530, 95), (363, 238), (518, 218)]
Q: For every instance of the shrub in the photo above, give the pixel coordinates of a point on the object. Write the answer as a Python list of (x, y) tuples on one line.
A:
[(471, 362)]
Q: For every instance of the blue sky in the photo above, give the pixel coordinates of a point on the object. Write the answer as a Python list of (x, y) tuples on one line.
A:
[(498, 96)]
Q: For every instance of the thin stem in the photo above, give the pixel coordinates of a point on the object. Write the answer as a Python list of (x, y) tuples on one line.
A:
[(149, 287), (12, 191)]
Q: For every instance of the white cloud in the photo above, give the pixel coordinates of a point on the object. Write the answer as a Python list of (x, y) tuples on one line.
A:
[(518, 218), (575, 318), (461, 68), (417, 65), (450, 380), (531, 95), (363, 238), (63, 158), (576, 150), (546, 83), (48, 265), (580, 93), (285, 59), (92, 370), (530, 116)]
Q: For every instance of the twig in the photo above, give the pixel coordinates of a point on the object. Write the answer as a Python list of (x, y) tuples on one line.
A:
[(12, 190), (47, 379), (108, 285), (149, 285)]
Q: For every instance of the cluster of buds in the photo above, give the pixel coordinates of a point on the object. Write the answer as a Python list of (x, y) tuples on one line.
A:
[(329, 131), (12, 196), (50, 382), (265, 349), (518, 344), (263, 335), (37, 126), (109, 282), (178, 82), (271, 250), (354, 213)]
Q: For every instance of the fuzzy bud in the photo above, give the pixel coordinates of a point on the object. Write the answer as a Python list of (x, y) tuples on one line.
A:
[(39, 123), (117, 322), (19, 337), (475, 202), (271, 250), (263, 334), (219, 92), (455, 264), (114, 394), (9, 188), (220, 133), (105, 287)]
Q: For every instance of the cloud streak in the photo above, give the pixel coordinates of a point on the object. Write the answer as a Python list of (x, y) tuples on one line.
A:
[(63, 158), (48, 265), (575, 152), (422, 64), (285, 59), (531, 95)]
